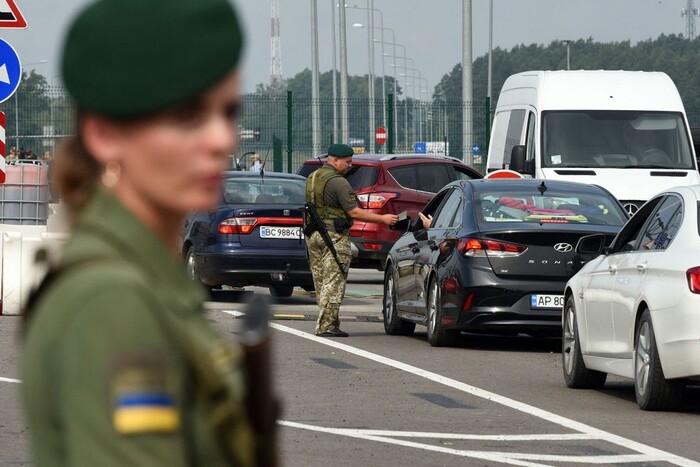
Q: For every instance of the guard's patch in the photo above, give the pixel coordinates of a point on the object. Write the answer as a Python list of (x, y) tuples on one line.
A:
[(142, 396)]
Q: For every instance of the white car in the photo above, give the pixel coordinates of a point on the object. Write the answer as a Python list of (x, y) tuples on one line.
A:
[(634, 311)]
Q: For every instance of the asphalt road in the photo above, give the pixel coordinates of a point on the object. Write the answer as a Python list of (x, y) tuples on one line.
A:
[(373, 399)]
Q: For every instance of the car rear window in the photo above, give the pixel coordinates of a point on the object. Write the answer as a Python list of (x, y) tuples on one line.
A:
[(307, 169), (359, 176), (362, 176), (422, 177), (266, 190), (549, 207)]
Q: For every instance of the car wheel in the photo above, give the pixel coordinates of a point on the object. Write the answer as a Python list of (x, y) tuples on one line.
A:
[(393, 325), (653, 391), (193, 273), (438, 336), (281, 290), (576, 375)]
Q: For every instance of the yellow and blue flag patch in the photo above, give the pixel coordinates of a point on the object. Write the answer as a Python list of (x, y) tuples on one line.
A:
[(143, 400), (145, 412)]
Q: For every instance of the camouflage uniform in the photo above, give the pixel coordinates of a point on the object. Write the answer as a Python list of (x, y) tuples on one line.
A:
[(328, 279), (338, 198)]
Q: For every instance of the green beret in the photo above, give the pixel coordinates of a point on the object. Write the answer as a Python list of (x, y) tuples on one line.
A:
[(125, 58), (340, 150)]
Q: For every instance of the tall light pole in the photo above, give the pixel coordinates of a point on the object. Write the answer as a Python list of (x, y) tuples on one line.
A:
[(345, 124), (315, 120), (371, 78), (467, 92), (568, 56), (40, 62), (393, 41), (335, 73)]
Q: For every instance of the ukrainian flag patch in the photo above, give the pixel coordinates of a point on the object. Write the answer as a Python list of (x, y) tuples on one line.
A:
[(142, 396), (145, 412)]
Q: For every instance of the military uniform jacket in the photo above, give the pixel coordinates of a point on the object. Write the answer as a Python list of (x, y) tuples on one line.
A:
[(104, 383)]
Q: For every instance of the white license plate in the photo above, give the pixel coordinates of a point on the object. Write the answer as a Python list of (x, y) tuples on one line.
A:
[(280, 232), (546, 301)]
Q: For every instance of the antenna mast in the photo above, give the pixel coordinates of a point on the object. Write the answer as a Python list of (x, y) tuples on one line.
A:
[(690, 12), (275, 48)]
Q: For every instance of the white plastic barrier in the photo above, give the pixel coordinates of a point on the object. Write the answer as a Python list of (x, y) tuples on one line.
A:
[(20, 272)]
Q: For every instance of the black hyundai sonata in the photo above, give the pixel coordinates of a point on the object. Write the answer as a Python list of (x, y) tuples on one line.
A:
[(495, 258)]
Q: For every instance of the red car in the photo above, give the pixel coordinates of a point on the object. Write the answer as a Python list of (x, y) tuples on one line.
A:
[(392, 183)]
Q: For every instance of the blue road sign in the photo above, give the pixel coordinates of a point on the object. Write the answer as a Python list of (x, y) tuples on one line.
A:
[(420, 148), (476, 149), (10, 71)]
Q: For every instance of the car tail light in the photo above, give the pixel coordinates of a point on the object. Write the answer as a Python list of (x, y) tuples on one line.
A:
[(372, 246), (693, 275), (245, 225), (237, 225), (480, 247), (375, 200)]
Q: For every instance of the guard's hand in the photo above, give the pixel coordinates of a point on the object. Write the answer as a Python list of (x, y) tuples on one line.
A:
[(390, 219)]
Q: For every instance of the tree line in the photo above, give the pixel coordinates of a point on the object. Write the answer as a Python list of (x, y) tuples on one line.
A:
[(672, 54)]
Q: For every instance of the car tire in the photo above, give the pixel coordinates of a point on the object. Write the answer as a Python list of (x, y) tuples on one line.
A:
[(281, 291), (653, 391), (576, 375), (438, 336), (393, 325), (193, 272)]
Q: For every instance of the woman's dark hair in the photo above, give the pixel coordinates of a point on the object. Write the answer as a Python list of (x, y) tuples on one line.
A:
[(75, 173)]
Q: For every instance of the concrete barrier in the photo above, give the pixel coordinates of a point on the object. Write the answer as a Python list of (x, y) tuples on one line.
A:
[(19, 244), (21, 272)]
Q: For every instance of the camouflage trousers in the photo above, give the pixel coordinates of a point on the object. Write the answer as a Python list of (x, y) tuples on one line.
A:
[(329, 281)]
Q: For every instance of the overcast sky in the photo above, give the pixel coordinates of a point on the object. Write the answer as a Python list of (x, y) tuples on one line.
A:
[(431, 30)]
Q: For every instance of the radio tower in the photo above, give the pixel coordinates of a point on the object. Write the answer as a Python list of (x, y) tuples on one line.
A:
[(275, 48), (690, 12)]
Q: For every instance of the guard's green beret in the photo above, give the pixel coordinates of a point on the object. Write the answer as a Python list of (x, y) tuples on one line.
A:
[(340, 150), (125, 58)]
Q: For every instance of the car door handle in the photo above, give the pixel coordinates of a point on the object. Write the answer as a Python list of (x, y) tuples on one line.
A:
[(642, 268), (612, 269)]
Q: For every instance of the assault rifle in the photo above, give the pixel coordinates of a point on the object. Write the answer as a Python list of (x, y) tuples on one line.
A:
[(314, 223)]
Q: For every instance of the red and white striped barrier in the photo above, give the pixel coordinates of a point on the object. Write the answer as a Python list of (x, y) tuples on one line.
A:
[(2, 147)]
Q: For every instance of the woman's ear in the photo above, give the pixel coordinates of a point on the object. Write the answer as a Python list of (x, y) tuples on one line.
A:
[(101, 137)]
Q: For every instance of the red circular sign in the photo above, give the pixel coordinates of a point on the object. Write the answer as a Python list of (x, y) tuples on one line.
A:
[(504, 173), (380, 135)]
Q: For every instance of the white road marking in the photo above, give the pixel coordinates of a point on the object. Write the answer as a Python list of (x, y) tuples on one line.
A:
[(9, 380), (649, 453)]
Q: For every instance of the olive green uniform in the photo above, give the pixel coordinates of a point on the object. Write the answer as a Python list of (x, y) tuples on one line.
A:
[(329, 281), (106, 382)]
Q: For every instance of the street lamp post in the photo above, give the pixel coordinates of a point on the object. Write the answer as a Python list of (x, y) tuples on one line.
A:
[(370, 31), (568, 56)]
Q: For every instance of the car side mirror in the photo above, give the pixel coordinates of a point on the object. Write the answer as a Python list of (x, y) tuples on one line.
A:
[(517, 158), (592, 245)]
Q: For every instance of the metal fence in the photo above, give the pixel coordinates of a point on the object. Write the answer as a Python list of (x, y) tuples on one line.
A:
[(279, 127)]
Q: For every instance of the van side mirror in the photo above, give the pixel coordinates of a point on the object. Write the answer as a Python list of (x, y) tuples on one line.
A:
[(591, 244), (517, 158)]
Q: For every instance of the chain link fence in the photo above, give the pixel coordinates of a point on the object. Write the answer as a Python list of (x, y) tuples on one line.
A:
[(280, 127)]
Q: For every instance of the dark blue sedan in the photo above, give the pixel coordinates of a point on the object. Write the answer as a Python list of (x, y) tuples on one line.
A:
[(254, 237), (495, 259)]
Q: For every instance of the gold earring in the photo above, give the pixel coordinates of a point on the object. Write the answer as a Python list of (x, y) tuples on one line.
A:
[(111, 174)]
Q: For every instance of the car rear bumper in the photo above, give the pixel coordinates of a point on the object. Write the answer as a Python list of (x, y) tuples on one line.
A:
[(503, 308), (261, 268)]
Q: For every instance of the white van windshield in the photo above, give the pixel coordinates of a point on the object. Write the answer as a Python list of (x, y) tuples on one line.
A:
[(615, 139)]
